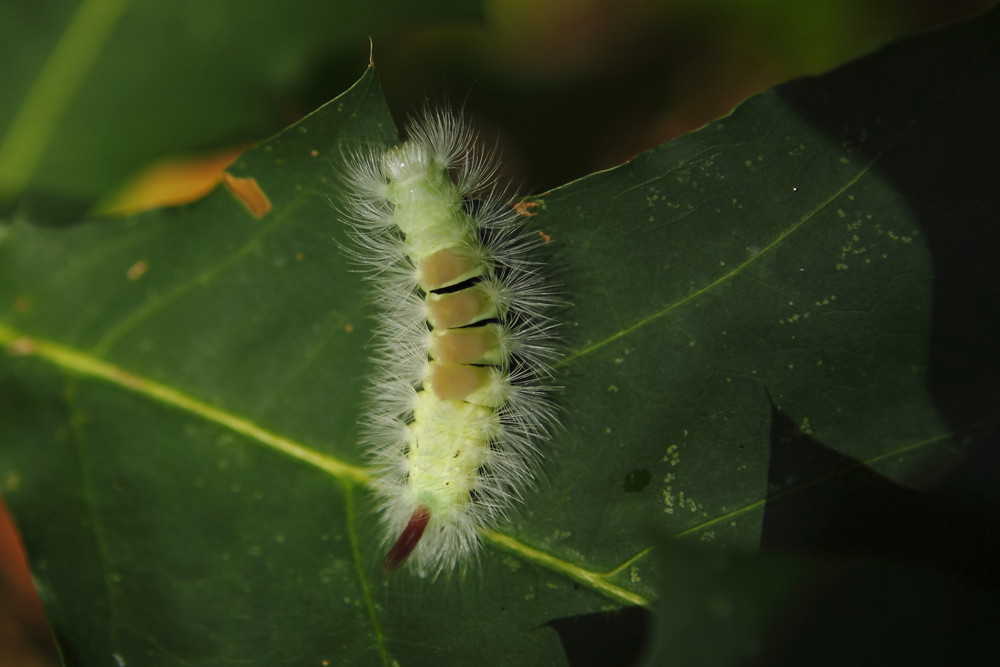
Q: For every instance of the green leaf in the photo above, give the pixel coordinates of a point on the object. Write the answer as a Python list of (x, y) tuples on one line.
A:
[(721, 608), (86, 83), (181, 388)]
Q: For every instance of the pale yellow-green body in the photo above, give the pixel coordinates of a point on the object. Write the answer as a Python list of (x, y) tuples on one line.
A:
[(460, 378), (454, 417)]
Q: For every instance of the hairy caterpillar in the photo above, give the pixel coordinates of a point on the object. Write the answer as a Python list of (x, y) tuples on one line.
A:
[(463, 341)]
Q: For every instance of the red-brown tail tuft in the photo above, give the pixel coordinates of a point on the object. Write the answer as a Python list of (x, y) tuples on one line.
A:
[(408, 539)]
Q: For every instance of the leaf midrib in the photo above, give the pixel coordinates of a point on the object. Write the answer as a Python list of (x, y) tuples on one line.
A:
[(88, 365), (82, 363)]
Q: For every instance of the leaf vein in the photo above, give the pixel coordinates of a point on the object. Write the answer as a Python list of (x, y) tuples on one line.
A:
[(81, 363), (85, 364), (594, 580), (771, 245), (857, 465), (366, 591)]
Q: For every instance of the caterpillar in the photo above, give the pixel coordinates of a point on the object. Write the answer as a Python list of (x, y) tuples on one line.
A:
[(460, 398)]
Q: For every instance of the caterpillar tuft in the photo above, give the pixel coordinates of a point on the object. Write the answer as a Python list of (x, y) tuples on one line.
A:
[(459, 401)]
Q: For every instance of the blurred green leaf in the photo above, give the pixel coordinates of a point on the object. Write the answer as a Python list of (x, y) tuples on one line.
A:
[(719, 608), (806, 36), (181, 388), (94, 89)]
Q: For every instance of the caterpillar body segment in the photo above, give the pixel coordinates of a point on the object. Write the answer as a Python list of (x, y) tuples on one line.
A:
[(459, 402)]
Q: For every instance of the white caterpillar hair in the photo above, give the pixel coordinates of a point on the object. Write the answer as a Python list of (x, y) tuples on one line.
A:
[(459, 402)]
